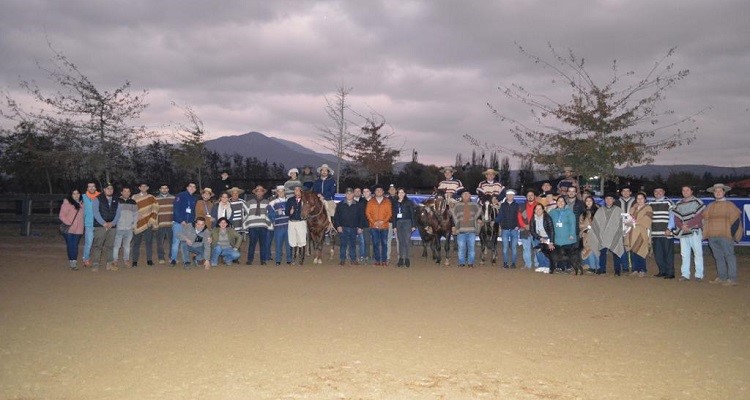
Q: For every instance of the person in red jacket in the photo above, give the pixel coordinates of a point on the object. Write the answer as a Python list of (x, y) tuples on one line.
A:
[(524, 219)]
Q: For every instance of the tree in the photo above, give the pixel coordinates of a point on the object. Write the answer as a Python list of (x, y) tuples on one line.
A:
[(504, 173), (337, 138), (602, 125), (191, 153), (97, 121), (526, 177), (371, 150), (30, 153)]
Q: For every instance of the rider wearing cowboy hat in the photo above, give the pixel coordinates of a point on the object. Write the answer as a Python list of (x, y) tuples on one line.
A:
[(490, 185), (452, 186), (325, 187)]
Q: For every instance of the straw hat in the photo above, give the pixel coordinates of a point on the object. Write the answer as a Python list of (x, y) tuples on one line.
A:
[(718, 186), (235, 189), (261, 189), (330, 171), (489, 171), (446, 169), (211, 192)]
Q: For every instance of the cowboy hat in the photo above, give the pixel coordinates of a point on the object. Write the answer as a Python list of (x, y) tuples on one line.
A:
[(208, 190), (259, 188), (446, 169), (330, 171), (718, 186), (293, 170), (489, 171), (235, 189)]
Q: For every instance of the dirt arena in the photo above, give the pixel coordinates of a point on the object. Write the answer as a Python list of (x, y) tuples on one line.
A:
[(330, 332)]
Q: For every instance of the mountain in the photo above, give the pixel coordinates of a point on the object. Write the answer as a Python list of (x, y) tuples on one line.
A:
[(271, 149)]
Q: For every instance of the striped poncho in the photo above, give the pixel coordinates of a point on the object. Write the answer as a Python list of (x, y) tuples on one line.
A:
[(688, 216)]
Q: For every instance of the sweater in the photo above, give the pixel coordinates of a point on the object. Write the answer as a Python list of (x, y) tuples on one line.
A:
[(70, 216), (289, 187), (564, 222), (379, 214), (466, 225), (148, 210), (256, 214), (164, 210), (128, 214), (234, 238), (189, 233), (721, 219), (277, 213), (661, 209)]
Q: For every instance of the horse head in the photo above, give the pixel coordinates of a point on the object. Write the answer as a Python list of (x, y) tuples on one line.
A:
[(311, 205)]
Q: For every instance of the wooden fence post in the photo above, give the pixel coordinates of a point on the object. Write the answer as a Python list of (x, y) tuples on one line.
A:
[(26, 216)]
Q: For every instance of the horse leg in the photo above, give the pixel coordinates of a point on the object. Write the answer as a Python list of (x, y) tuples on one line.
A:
[(448, 249), (302, 255)]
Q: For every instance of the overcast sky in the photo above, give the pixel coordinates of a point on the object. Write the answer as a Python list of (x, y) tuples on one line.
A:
[(429, 67)]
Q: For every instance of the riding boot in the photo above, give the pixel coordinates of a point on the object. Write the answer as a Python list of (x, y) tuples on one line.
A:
[(407, 264), (400, 262)]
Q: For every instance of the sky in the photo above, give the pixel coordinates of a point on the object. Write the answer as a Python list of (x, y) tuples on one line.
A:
[(428, 67)]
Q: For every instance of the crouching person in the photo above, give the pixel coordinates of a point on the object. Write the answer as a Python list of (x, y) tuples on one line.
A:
[(196, 239), (225, 243)]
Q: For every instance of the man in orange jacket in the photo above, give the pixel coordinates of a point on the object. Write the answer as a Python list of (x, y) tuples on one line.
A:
[(379, 212)]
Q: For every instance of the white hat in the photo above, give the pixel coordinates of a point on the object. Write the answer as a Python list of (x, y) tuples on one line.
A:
[(718, 186), (510, 191), (280, 187), (293, 170), (330, 171)]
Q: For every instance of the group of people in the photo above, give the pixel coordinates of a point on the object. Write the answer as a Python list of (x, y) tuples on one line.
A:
[(556, 230)]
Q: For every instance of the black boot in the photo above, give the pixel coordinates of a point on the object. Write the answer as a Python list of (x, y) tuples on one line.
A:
[(407, 264), (400, 262)]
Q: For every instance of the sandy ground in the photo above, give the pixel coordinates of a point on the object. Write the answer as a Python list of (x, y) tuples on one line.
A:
[(330, 332)]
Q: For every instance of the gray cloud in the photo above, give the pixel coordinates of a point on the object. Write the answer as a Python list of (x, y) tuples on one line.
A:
[(428, 66)]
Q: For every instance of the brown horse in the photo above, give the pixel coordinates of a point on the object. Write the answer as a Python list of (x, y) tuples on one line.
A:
[(434, 218), (314, 212)]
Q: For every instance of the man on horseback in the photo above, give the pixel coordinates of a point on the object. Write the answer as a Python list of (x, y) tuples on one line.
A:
[(451, 186), (490, 186), (325, 187)]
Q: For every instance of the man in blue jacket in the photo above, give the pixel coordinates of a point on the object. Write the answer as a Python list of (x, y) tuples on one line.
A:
[(325, 187), (183, 215), (508, 220), (349, 221)]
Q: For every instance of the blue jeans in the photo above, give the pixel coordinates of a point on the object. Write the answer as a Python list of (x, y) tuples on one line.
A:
[(269, 242), (466, 247), (348, 238), (541, 258), (592, 260), (637, 262), (71, 243), (281, 238), (256, 235), (510, 238), (229, 254), (528, 244), (692, 243), (379, 248), (195, 248), (176, 231), (88, 240), (603, 260)]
